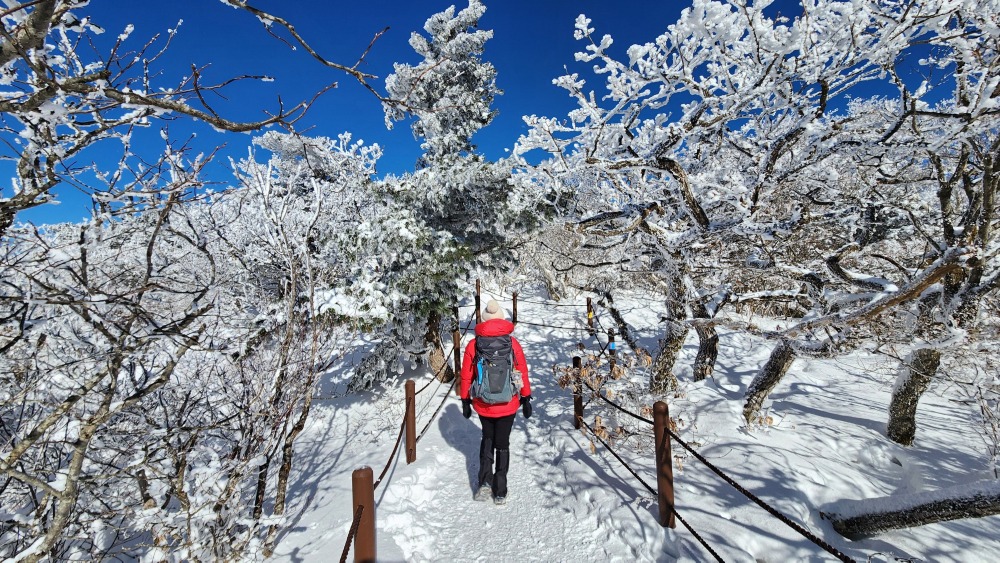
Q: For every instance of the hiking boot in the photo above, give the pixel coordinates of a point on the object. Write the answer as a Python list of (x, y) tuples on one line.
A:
[(499, 501), (483, 494)]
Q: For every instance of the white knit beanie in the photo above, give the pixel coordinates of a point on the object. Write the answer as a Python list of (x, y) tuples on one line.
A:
[(493, 310)]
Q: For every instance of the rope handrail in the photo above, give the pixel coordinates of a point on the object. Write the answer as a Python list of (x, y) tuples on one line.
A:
[(618, 457), (352, 532), (533, 302), (697, 536), (434, 377), (399, 437), (616, 405), (771, 510), (436, 412), (542, 325), (392, 456)]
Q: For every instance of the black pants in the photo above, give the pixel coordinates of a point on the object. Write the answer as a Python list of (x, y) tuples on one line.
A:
[(496, 437)]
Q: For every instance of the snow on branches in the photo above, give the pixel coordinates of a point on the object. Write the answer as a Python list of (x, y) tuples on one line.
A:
[(749, 151)]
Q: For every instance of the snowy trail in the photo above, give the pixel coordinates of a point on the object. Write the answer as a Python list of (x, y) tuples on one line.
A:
[(550, 504), (567, 503), (562, 499)]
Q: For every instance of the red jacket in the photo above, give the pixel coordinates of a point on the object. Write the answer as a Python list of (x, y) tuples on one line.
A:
[(495, 327)]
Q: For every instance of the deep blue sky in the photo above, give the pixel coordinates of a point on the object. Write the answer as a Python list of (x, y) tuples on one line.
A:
[(533, 44)]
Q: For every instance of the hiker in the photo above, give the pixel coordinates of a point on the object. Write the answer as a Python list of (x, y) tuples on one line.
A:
[(494, 383)]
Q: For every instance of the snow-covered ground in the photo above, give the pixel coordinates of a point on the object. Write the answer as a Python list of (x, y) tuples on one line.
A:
[(826, 443)]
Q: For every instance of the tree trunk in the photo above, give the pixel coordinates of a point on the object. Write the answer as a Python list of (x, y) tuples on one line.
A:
[(438, 360), (663, 379), (285, 470), (910, 385), (708, 351), (767, 379), (708, 345), (857, 519), (261, 491)]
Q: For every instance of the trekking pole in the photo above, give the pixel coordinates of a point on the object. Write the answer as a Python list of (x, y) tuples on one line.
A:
[(364, 496), (577, 392), (664, 465)]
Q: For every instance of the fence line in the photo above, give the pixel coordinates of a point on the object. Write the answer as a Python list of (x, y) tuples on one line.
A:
[(399, 439), (402, 426), (436, 412), (617, 406), (652, 491), (542, 325), (532, 302), (445, 364), (436, 376), (771, 510), (392, 456)]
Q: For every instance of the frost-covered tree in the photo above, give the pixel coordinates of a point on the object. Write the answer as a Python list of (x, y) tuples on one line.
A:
[(733, 149), (449, 94), (170, 344), (451, 91), (460, 211), (291, 219), (58, 98), (108, 315), (142, 358)]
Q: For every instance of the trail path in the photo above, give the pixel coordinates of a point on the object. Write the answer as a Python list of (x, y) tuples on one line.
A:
[(567, 503)]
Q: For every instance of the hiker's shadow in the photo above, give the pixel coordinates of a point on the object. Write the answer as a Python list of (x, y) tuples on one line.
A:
[(464, 435)]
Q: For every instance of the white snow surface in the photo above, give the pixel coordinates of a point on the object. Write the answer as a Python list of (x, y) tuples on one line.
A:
[(826, 443)]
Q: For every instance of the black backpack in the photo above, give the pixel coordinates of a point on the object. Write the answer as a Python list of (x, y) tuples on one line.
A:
[(493, 380)]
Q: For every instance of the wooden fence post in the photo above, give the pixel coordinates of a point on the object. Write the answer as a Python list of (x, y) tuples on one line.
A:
[(411, 421), (590, 316), (479, 310), (664, 464), (577, 391), (514, 309), (362, 485)]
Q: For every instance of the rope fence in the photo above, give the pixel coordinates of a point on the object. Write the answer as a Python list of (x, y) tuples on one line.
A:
[(771, 510), (616, 405), (578, 416), (532, 302), (438, 411), (392, 456), (652, 491), (366, 488)]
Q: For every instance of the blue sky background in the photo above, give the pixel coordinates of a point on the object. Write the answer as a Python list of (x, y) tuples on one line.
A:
[(533, 44)]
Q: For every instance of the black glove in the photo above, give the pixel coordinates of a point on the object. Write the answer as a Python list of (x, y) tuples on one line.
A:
[(526, 406), (466, 408)]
